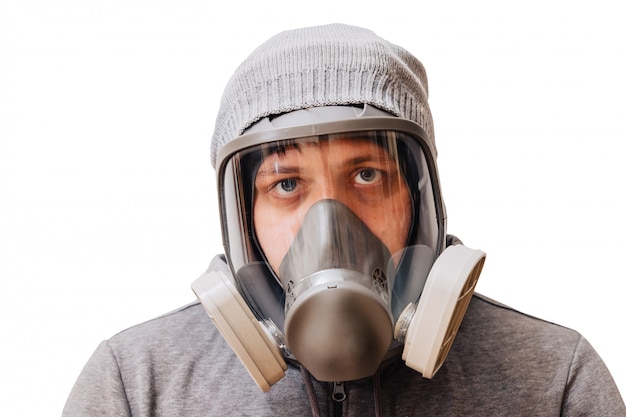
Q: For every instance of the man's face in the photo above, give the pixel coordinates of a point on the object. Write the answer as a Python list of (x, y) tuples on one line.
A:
[(357, 173)]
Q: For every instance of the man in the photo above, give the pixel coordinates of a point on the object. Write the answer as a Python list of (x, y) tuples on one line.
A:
[(340, 292)]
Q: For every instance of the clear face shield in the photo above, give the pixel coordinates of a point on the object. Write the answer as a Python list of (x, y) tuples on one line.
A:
[(331, 231)]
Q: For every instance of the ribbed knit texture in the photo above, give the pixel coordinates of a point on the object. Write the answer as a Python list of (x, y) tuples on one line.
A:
[(322, 66)]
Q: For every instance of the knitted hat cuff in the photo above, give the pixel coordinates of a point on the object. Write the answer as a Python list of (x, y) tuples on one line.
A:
[(322, 66)]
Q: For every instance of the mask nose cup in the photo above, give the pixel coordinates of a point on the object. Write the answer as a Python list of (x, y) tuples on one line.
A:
[(338, 320)]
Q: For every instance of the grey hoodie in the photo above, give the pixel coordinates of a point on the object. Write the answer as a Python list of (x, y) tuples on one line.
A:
[(502, 363)]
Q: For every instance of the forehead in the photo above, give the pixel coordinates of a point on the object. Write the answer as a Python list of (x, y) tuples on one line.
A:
[(339, 148)]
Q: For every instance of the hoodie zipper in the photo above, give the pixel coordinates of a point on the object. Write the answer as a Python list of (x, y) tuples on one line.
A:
[(338, 396)]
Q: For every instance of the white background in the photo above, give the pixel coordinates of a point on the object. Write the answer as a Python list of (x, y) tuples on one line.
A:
[(107, 197)]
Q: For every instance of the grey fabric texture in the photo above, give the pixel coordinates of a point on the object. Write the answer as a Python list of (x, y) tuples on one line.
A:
[(502, 363), (322, 66)]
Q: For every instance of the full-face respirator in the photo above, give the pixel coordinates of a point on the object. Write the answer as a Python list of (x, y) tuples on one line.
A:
[(334, 230)]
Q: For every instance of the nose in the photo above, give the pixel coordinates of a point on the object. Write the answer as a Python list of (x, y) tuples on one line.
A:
[(329, 187)]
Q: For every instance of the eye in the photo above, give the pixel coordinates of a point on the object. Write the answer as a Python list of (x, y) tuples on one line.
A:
[(286, 186), (367, 176)]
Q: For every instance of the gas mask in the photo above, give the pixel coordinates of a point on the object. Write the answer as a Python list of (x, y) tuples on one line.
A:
[(334, 230)]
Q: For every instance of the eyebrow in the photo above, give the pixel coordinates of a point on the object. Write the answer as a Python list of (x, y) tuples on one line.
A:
[(277, 169), (380, 155)]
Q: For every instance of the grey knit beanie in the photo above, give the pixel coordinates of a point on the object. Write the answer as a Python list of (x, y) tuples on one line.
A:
[(322, 66)]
